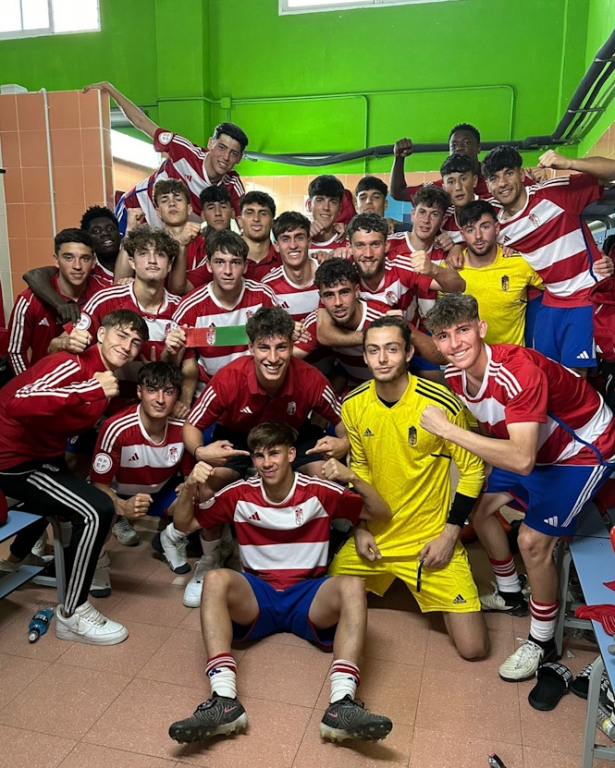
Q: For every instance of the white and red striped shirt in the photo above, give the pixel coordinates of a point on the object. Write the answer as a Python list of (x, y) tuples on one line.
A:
[(297, 300), (186, 162), (159, 323), (521, 385), (236, 400), (553, 238), (284, 542), (398, 280), (102, 274), (129, 461), (336, 241), (201, 309)]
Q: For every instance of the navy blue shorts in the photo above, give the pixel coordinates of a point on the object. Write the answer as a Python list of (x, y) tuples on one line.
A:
[(531, 313), (566, 336), (284, 611), (162, 499), (554, 494)]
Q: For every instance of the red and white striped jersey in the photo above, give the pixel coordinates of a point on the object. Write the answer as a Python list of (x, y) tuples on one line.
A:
[(284, 542), (258, 270), (43, 407), (553, 238), (235, 399), (521, 385), (398, 280), (123, 297), (33, 324), (186, 162), (482, 191), (195, 253), (336, 241), (450, 225), (297, 300), (201, 309), (102, 274), (129, 461)]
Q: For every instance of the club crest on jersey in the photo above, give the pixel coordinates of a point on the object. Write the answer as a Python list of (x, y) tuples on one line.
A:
[(298, 516), (165, 137), (188, 177), (534, 219), (291, 408), (249, 313), (173, 453), (505, 282), (412, 436), (391, 297)]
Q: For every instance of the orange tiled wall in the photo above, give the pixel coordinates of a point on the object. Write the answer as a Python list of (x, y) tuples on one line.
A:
[(80, 143)]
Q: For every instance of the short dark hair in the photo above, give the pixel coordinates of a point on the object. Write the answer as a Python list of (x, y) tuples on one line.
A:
[(226, 241), (142, 237), (391, 321), (326, 185), (215, 194), (126, 318), (499, 158), (457, 163), (290, 220), (468, 127), (71, 235), (269, 434), (473, 211), (451, 309), (160, 374), (332, 272), (97, 212), (270, 321), (368, 222), (233, 131), (371, 182), (432, 197), (170, 187), (256, 197)]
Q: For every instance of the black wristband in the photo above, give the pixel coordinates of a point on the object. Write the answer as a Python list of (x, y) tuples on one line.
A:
[(460, 511), (195, 450)]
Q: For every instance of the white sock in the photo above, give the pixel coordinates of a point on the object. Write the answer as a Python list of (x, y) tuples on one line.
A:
[(222, 673), (211, 548), (173, 534), (344, 679)]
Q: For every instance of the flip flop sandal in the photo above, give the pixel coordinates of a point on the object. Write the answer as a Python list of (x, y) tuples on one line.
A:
[(553, 682)]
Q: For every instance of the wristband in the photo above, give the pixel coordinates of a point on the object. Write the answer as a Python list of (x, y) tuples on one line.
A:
[(195, 450), (460, 510)]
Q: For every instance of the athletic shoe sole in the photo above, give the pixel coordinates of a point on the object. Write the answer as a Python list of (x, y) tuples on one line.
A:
[(157, 545), (367, 732), (67, 634), (513, 610), (189, 734), (104, 592)]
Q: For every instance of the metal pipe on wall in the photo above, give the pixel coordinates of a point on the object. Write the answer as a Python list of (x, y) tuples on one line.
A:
[(49, 160)]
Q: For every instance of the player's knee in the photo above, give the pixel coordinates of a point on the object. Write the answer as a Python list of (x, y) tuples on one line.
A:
[(352, 590), (474, 648), (216, 582), (534, 546)]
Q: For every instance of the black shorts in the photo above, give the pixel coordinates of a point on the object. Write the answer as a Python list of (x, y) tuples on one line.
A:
[(309, 435)]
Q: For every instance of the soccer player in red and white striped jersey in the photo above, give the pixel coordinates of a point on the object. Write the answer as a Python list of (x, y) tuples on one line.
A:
[(544, 224), (196, 167), (229, 300), (325, 201), (282, 521), (256, 222), (552, 445), (293, 281), (33, 324)]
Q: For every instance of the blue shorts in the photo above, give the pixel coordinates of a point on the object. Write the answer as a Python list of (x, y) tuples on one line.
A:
[(162, 499), (531, 313), (284, 611), (566, 336), (418, 363), (121, 215), (553, 494)]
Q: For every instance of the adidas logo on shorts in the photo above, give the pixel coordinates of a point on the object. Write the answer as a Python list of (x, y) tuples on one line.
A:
[(459, 600)]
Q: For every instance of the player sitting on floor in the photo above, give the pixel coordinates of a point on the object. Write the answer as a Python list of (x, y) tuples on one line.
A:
[(282, 521)]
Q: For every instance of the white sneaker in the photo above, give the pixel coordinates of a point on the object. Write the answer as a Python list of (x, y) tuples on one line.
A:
[(125, 533), (31, 559), (524, 662), (40, 548), (496, 602), (194, 588), (173, 547), (101, 583), (87, 625)]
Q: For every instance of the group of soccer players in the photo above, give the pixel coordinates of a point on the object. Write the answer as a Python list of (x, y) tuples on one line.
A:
[(172, 367)]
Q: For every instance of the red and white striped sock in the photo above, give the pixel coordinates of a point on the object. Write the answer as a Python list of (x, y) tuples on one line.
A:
[(506, 574), (222, 673), (345, 679), (542, 624)]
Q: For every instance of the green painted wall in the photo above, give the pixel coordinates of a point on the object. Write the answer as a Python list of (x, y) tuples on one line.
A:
[(332, 81)]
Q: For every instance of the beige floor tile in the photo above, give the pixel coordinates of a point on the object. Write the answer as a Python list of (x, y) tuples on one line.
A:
[(153, 603), (94, 756), (442, 654), (551, 758), (14, 640), (396, 635), (64, 701), (435, 749), (16, 673), (26, 749), (565, 724)]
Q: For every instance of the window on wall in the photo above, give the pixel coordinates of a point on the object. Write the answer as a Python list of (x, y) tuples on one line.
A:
[(309, 6), (33, 18)]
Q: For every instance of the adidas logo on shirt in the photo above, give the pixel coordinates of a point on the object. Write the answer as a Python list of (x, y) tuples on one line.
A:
[(44, 321), (247, 409), (255, 516), (459, 600), (368, 433), (134, 457), (583, 356)]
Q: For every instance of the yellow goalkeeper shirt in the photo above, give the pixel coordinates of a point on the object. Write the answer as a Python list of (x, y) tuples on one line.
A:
[(408, 466)]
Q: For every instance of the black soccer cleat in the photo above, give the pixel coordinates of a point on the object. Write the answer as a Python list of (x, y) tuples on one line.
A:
[(218, 716), (348, 719)]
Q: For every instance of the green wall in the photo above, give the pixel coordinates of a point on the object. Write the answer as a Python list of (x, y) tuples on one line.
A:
[(332, 81)]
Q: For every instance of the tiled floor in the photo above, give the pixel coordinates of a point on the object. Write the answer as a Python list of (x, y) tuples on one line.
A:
[(71, 705)]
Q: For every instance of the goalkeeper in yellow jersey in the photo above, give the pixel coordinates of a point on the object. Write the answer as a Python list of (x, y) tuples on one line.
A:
[(410, 468)]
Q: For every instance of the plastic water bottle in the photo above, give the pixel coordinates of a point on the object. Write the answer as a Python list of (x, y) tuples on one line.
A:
[(495, 762), (38, 625), (604, 721)]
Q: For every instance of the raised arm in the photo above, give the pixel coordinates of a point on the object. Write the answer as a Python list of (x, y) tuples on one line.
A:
[(182, 508), (397, 179), (600, 167), (136, 116), (374, 506)]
